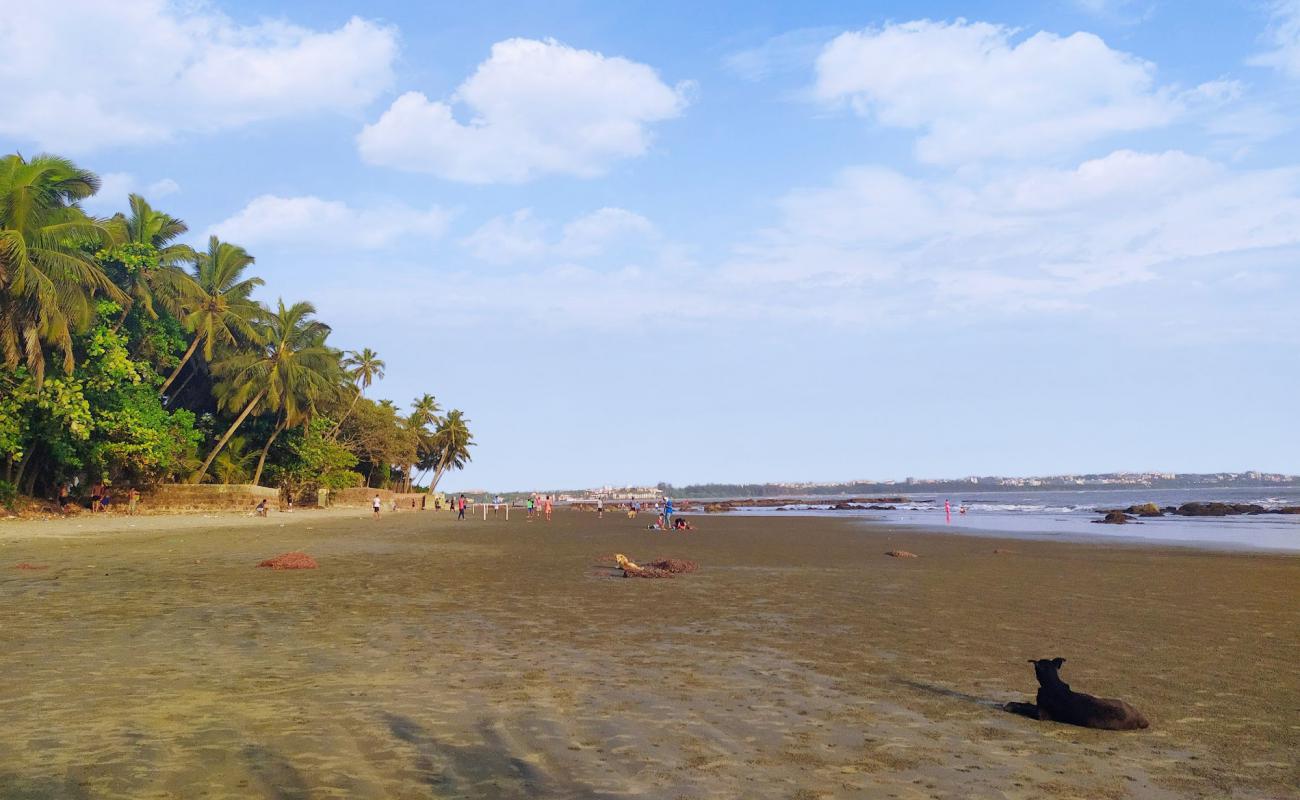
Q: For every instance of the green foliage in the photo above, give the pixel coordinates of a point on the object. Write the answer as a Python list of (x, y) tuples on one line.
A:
[(120, 303), (314, 459), (8, 495)]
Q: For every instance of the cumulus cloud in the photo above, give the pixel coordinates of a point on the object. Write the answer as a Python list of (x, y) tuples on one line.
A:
[(1284, 37), (82, 75), (595, 233), (309, 221), (532, 108), (1027, 239), (974, 91), (506, 239), (521, 236)]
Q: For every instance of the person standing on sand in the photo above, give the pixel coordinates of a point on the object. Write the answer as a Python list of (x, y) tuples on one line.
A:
[(532, 506), (668, 513), (375, 504), (132, 500), (461, 508), (600, 508), (548, 508)]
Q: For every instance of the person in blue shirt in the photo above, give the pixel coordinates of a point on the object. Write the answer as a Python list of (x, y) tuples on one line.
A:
[(668, 513)]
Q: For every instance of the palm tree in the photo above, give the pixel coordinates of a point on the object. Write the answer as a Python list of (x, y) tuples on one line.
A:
[(424, 412), (232, 466), (282, 374), (48, 279), (452, 442), (218, 305), (158, 230), (363, 368), (308, 389)]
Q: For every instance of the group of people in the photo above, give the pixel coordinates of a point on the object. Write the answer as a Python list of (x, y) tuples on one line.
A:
[(539, 504), (101, 497), (458, 505)]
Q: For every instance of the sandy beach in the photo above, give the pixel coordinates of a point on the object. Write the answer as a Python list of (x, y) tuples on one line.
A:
[(430, 658)]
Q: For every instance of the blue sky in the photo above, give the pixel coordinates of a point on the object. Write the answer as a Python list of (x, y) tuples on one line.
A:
[(737, 241)]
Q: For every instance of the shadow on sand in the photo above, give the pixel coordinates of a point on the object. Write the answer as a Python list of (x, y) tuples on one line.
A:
[(1019, 709), (489, 769)]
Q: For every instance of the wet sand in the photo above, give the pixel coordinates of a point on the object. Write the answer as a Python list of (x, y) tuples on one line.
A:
[(429, 658)]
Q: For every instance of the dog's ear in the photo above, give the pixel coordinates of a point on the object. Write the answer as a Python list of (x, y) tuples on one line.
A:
[(1058, 661)]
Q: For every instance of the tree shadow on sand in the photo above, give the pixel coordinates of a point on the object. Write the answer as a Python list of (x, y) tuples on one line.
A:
[(489, 768), (15, 787), (274, 774)]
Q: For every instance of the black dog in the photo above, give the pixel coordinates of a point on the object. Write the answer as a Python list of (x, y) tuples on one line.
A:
[(1056, 702)]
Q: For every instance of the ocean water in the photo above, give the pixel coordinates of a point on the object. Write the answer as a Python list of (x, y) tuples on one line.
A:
[(1069, 515)]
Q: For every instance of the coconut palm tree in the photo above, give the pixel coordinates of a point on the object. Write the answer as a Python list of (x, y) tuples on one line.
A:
[(452, 441), (363, 367), (282, 374), (48, 279), (167, 281), (309, 388), (218, 306), (424, 412)]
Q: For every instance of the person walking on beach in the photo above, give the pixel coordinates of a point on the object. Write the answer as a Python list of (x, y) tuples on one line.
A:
[(532, 506), (668, 513), (600, 508), (375, 504), (547, 507), (947, 511), (633, 509), (461, 508)]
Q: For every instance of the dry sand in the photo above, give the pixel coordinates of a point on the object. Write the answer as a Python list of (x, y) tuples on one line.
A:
[(429, 658)]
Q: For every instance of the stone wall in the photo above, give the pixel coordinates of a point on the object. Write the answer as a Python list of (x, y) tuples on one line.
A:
[(361, 497), (204, 497)]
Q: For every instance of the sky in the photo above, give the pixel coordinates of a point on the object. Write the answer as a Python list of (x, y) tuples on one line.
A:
[(736, 241)]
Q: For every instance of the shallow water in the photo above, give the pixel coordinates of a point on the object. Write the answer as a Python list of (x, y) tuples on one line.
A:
[(1072, 515)]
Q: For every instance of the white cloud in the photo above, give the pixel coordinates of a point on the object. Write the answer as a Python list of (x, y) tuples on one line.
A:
[(532, 108), (506, 239), (975, 92), (142, 71), (310, 221), (597, 232), (1284, 36), (115, 186), (1027, 239), (521, 236)]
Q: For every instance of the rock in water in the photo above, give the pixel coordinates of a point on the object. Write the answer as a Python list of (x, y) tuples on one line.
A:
[(1114, 518), (1145, 510), (294, 560)]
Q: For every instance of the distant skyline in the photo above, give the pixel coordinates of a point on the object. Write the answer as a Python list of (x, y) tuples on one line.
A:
[(739, 241)]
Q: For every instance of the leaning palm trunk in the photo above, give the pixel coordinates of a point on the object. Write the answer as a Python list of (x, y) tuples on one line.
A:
[(248, 409), (335, 432), (261, 461), (184, 359), (437, 475)]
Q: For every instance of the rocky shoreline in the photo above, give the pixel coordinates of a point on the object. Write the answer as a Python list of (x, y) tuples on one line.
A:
[(1120, 516)]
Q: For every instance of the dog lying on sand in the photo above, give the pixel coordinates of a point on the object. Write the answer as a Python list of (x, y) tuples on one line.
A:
[(1057, 702)]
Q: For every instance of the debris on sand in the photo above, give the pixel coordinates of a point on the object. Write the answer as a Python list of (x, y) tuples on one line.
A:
[(26, 565), (294, 560), (901, 554), (664, 568), (674, 565)]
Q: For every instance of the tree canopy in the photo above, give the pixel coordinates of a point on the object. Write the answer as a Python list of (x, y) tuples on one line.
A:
[(129, 356)]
